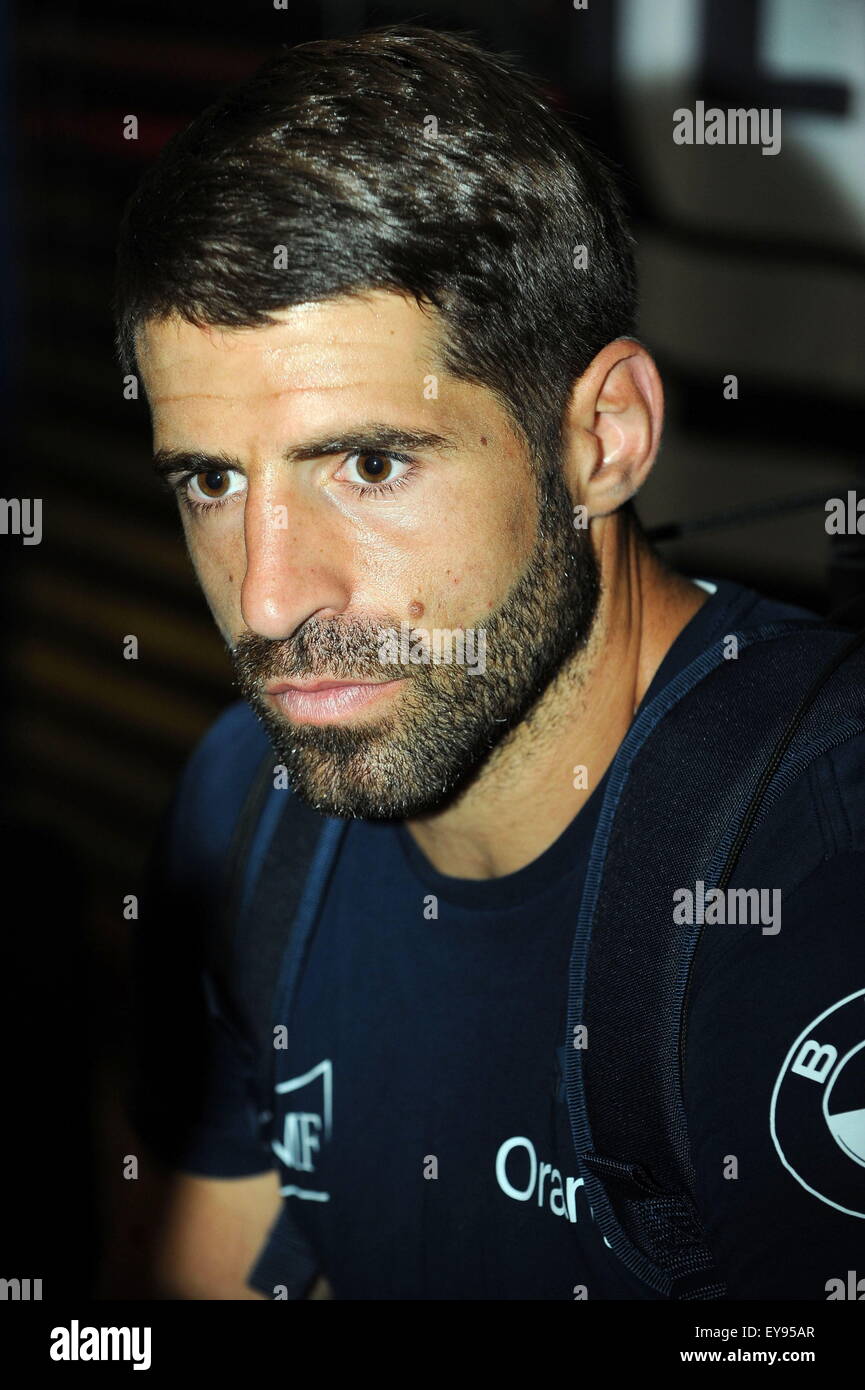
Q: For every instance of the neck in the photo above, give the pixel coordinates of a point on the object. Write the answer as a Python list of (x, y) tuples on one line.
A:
[(524, 796)]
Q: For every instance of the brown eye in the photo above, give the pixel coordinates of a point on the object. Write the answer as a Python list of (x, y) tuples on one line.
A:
[(375, 473), (213, 481), (374, 468)]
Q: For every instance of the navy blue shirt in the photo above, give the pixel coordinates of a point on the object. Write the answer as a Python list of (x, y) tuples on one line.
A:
[(423, 1142), (437, 1007)]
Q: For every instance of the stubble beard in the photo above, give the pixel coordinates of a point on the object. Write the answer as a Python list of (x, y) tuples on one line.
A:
[(446, 720)]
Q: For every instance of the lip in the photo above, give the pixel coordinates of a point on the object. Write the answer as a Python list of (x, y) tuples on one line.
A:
[(327, 702), (282, 686)]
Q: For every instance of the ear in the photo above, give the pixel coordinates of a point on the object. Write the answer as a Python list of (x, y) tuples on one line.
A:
[(613, 426)]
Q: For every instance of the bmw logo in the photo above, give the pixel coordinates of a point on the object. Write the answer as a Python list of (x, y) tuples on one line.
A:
[(824, 1075)]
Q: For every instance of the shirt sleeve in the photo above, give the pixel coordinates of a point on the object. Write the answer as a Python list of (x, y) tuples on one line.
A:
[(191, 1095), (775, 1092)]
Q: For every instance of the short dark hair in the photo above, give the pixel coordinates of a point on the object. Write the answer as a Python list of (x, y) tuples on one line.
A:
[(329, 149)]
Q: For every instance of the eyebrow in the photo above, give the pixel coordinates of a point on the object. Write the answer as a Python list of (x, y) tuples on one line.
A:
[(367, 438)]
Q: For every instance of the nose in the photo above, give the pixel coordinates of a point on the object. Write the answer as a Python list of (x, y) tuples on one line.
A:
[(298, 562)]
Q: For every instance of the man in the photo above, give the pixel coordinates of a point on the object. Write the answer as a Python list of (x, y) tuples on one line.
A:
[(382, 302)]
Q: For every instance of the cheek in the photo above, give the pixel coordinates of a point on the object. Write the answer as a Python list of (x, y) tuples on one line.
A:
[(519, 527), (472, 567), (501, 540), (218, 560)]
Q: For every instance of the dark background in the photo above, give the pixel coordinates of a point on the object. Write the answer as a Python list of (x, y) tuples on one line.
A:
[(749, 264)]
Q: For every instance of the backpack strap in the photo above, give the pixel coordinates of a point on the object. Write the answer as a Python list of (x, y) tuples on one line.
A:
[(264, 910), (284, 890), (799, 689), (247, 946), (238, 862)]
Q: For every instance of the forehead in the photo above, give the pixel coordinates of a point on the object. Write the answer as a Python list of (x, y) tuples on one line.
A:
[(380, 340)]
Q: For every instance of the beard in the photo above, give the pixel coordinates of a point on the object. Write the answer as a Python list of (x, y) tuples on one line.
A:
[(447, 720)]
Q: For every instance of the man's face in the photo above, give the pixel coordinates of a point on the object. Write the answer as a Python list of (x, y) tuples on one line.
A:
[(327, 561)]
